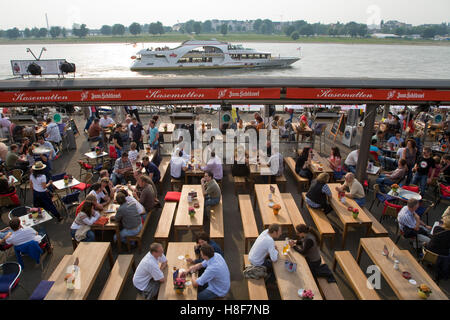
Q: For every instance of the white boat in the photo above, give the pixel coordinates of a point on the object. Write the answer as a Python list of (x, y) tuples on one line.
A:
[(209, 54)]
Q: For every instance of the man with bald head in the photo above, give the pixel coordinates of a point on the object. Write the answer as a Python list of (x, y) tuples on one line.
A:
[(355, 187)]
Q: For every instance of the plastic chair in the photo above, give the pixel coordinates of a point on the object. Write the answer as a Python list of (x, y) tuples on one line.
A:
[(380, 196), (390, 210), (412, 188), (425, 208), (85, 184), (71, 200), (9, 278), (443, 194)]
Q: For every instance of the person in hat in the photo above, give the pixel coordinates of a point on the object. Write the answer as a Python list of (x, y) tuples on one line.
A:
[(39, 185)]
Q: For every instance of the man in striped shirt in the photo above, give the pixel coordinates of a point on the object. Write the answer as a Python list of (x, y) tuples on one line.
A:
[(409, 222)]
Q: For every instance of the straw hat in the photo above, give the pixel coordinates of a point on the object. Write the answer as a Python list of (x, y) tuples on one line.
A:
[(38, 166)]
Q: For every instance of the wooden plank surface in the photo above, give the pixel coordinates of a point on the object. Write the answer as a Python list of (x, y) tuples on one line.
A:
[(170, 127), (401, 287), (290, 282), (216, 221), (262, 192), (117, 277), (256, 287), (182, 218), (248, 216), (291, 206), (91, 257), (166, 220), (174, 250)]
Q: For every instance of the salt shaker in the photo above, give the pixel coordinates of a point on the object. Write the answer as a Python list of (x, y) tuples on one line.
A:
[(396, 264)]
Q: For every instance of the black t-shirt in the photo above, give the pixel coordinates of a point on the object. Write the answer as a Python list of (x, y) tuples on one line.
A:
[(440, 241), (424, 165), (136, 132), (118, 137)]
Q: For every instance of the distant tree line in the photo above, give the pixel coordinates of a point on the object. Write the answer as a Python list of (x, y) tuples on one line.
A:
[(426, 31)]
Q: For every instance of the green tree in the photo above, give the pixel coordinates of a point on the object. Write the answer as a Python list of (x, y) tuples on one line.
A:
[(299, 23), (27, 33), (363, 30), (207, 26), (64, 32), (197, 27), (352, 28), (118, 29), (288, 30), (13, 33), (400, 31), (267, 27), (55, 32), (230, 28), (160, 27), (106, 30), (156, 28), (81, 32), (43, 32), (429, 33), (295, 35), (35, 32), (135, 28), (257, 25), (224, 29), (189, 26), (306, 30)]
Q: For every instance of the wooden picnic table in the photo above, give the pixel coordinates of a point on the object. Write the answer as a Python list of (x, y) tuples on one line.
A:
[(262, 192), (91, 257), (318, 160), (183, 220), (401, 286), (290, 282), (175, 250), (195, 163), (346, 216), (170, 128), (296, 127)]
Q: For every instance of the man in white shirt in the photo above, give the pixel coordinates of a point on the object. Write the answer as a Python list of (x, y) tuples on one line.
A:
[(178, 165), (97, 191), (149, 275), (264, 251), (352, 160), (52, 133), (214, 165), (276, 163), (106, 121)]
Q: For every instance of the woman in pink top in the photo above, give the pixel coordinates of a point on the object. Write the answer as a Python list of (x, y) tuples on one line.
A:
[(335, 161)]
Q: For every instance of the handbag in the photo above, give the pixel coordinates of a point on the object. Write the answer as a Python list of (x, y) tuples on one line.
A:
[(80, 235)]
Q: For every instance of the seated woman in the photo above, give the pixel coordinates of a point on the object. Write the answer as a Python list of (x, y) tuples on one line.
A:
[(5, 188), (282, 127), (335, 161), (318, 193), (303, 164), (84, 219), (389, 178)]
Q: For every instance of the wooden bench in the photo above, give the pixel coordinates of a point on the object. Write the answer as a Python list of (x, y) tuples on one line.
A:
[(216, 230), (281, 182), (176, 184), (165, 223), (322, 223), (248, 220), (354, 275), (239, 184), (302, 183), (329, 290), (377, 228), (256, 288), (117, 277), (163, 168), (294, 213), (138, 237)]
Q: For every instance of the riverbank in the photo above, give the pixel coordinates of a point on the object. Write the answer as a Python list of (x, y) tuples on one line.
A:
[(233, 37)]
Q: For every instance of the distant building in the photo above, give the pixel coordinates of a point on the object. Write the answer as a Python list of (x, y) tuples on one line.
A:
[(384, 35)]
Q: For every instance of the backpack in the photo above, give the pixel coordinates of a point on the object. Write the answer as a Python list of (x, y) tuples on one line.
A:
[(254, 272)]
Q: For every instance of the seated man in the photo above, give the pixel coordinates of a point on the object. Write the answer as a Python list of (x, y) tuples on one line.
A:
[(276, 163), (264, 251), (128, 214), (99, 192), (13, 161), (356, 189), (46, 158), (151, 169), (319, 193), (131, 199), (395, 140), (388, 162), (178, 165), (147, 196), (351, 161), (215, 280), (211, 190), (20, 235), (202, 239), (214, 166), (122, 168), (149, 274), (52, 133), (5, 187), (410, 224), (95, 132), (389, 178), (106, 121)]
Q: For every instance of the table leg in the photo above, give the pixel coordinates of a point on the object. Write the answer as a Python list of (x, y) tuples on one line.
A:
[(110, 257), (176, 234), (369, 226), (119, 240), (358, 256), (344, 235)]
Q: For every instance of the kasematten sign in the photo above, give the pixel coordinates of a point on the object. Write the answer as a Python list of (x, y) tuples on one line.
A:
[(367, 94), (139, 95)]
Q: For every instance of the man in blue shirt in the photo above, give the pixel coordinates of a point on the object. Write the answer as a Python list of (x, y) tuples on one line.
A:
[(153, 134), (215, 280), (395, 141), (151, 169), (136, 133), (201, 239)]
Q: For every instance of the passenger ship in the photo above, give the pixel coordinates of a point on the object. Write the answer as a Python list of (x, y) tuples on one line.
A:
[(210, 54)]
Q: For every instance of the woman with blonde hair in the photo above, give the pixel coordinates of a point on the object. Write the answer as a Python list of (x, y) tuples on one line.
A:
[(319, 192)]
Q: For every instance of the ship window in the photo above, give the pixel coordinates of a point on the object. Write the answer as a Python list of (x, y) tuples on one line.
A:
[(160, 56)]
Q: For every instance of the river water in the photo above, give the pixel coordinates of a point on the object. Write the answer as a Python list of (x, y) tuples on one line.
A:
[(318, 60)]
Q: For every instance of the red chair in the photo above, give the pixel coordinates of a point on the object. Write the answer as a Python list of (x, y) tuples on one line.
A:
[(375, 155), (390, 210), (411, 188), (85, 184)]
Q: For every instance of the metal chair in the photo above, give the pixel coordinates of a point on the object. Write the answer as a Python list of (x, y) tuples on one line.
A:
[(319, 130), (10, 277), (390, 210), (70, 201), (85, 183), (380, 196), (18, 212), (425, 208)]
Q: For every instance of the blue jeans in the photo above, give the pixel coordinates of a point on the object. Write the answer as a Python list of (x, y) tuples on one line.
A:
[(89, 122), (421, 181), (387, 162), (338, 174), (360, 201), (117, 178), (44, 200), (124, 233), (99, 139), (209, 202), (4, 233), (382, 181), (206, 294), (90, 235), (352, 169)]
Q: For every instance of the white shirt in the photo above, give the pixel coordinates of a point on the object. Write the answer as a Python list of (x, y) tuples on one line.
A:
[(176, 165), (139, 206), (106, 122), (99, 196), (53, 132), (23, 235), (87, 221), (352, 158), (37, 182), (148, 269), (263, 245), (133, 155), (400, 152), (276, 164)]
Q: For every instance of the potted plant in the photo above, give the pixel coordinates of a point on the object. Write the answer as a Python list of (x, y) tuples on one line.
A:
[(424, 291), (179, 284), (394, 188), (306, 294), (66, 179), (444, 147), (191, 211), (165, 127), (276, 209), (355, 213), (98, 150)]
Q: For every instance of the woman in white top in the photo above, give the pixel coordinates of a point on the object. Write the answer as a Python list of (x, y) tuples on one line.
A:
[(39, 185), (86, 217), (133, 154)]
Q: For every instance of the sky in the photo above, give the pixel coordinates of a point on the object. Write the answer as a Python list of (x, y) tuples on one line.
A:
[(95, 13)]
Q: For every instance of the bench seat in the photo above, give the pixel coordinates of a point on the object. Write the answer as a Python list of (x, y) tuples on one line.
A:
[(165, 223), (248, 220), (256, 288), (302, 183), (117, 277)]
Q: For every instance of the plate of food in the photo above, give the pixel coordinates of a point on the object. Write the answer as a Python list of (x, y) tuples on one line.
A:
[(413, 282)]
